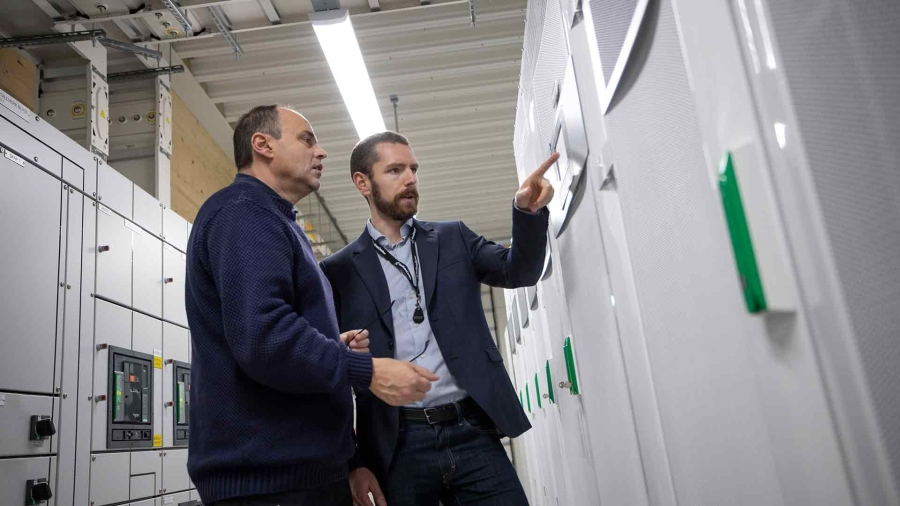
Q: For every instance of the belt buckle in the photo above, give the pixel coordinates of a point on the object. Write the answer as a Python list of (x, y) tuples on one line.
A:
[(428, 415)]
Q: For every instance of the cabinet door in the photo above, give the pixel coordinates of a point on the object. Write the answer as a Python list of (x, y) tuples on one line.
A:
[(109, 478), (113, 256), (147, 274), (115, 190), (146, 474), (147, 211), (175, 229), (173, 286), (175, 475), (30, 212), (16, 412), (15, 475)]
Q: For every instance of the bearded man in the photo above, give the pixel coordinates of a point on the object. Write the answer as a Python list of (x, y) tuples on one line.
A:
[(416, 286)]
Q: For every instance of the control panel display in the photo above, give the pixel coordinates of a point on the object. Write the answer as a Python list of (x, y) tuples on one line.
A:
[(130, 421)]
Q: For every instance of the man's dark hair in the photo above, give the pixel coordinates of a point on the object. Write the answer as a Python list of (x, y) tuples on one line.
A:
[(364, 154), (263, 119)]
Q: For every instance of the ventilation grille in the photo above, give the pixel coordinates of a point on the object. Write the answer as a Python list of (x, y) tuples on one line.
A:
[(842, 61), (697, 345), (611, 22)]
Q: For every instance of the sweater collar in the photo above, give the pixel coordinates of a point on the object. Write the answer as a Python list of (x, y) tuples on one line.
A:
[(280, 202)]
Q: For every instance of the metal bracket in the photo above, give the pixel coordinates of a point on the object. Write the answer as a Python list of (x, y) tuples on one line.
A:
[(175, 9), (224, 26), (133, 75), (130, 48), (53, 38), (395, 100)]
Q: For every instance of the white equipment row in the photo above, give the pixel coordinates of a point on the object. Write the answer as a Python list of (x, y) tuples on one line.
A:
[(717, 319), (95, 370)]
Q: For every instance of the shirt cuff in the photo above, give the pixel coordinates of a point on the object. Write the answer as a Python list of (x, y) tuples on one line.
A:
[(359, 369), (526, 211)]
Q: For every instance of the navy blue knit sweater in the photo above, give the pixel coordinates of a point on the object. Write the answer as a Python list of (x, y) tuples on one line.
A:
[(271, 408)]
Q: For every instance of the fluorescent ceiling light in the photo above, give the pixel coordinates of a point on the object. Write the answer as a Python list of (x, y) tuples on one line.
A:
[(338, 41)]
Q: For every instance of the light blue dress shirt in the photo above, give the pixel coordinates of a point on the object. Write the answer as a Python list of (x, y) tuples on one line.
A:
[(411, 338)]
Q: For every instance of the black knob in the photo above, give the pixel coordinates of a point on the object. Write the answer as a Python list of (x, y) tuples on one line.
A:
[(41, 492), (41, 427), (37, 491)]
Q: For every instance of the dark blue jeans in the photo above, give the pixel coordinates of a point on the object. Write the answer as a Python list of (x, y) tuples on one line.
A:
[(336, 494), (459, 462)]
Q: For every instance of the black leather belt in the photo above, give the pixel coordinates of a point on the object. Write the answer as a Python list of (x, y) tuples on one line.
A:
[(442, 413)]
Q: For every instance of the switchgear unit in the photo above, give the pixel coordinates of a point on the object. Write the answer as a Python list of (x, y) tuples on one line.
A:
[(130, 399)]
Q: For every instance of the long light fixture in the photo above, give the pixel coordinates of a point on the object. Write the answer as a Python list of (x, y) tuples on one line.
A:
[(338, 41)]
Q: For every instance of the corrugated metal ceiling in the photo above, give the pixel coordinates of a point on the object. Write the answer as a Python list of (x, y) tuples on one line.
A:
[(457, 88)]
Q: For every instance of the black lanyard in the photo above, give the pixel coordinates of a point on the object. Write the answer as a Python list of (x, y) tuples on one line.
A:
[(418, 314)]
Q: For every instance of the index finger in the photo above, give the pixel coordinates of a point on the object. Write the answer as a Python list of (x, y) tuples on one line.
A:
[(540, 171)]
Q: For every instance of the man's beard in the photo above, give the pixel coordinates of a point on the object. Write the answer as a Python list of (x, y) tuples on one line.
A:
[(394, 209)]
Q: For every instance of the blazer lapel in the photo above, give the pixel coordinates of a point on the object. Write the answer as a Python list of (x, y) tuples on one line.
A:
[(427, 245), (365, 261)]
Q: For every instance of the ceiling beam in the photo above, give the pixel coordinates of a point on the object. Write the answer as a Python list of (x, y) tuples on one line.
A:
[(270, 11)]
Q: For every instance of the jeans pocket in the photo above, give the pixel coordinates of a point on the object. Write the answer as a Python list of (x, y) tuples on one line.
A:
[(481, 425)]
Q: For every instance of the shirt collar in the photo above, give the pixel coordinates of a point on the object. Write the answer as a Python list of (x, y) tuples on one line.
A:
[(280, 202), (382, 240)]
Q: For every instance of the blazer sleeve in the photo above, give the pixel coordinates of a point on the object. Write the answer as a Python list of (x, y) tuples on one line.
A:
[(517, 266)]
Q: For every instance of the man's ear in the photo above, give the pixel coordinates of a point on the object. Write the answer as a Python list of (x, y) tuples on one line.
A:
[(362, 183), (262, 145)]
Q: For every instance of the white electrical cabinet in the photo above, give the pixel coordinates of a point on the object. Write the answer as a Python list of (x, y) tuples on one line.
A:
[(716, 324), (31, 203), (83, 317)]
